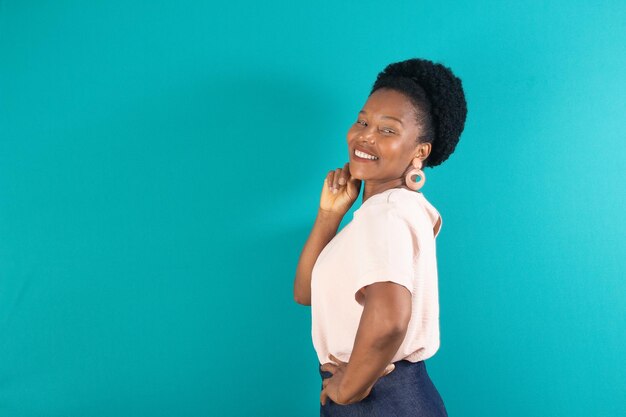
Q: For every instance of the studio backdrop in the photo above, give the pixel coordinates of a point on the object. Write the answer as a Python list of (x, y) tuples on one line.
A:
[(161, 165)]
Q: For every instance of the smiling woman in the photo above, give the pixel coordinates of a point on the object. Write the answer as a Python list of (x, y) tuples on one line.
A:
[(373, 287)]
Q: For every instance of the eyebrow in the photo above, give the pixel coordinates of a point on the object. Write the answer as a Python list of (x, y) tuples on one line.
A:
[(386, 117)]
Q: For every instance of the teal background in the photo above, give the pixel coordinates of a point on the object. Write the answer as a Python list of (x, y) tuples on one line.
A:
[(160, 170)]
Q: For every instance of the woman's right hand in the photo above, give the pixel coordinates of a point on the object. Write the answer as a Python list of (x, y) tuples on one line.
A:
[(346, 191)]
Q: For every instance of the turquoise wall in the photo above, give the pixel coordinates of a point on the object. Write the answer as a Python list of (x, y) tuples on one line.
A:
[(160, 170)]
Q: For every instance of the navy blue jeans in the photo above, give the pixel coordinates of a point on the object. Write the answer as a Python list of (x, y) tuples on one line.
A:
[(406, 391)]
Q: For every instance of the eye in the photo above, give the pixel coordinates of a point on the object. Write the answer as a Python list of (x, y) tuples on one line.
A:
[(359, 122), (388, 131)]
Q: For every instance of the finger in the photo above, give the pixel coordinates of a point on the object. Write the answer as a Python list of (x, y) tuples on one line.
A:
[(329, 180), (323, 397), (334, 358), (389, 368), (351, 179), (329, 367), (336, 178), (354, 186), (344, 175)]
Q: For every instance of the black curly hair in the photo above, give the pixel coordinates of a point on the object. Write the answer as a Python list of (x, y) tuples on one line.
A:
[(439, 101)]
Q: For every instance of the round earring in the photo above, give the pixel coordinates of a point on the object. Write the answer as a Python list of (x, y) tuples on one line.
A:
[(417, 164)]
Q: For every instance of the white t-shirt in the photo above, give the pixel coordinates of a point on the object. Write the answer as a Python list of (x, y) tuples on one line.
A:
[(391, 237)]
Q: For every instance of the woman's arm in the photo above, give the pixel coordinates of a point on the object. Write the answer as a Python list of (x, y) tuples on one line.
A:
[(324, 229), (339, 192), (383, 326)]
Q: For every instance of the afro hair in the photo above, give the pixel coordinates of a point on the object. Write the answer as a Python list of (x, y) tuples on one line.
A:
[(439, 101)]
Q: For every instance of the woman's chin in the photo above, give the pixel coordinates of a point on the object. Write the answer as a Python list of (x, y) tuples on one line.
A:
[(358, 172), (358, 175)]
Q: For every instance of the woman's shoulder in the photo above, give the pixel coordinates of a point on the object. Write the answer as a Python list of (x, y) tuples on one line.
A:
[(414, 208), (389, 205)]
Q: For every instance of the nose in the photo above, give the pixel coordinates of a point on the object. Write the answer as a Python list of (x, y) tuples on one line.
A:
[(369, 139), (367, 135)]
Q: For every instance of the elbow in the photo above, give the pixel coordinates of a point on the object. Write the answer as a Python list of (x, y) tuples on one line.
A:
[(302, 291), (399, 330), (305, 301), (385, 337), (388, 323), (399, 323), (393, 330)]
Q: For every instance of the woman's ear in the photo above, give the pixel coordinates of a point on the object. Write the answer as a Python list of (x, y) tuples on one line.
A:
[(422, 151)]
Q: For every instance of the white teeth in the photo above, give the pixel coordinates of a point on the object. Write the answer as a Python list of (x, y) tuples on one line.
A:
[(364, 155)]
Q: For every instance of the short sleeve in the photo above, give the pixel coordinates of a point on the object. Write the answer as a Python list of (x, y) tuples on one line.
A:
[(385, 248)]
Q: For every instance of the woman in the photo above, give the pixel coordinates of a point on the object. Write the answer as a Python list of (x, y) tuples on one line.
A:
[(373, 287)]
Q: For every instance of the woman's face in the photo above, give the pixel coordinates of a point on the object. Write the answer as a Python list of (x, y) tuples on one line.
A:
[(385, 128)]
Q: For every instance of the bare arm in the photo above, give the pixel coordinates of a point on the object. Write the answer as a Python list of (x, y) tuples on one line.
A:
[(383, 326), (333, 206), (325, 228)]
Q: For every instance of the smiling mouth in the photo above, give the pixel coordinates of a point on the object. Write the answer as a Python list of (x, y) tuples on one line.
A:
[(364, 156)]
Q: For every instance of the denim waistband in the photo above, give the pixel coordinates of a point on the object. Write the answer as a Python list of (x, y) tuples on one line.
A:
[(400, 366), (405, 391)]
